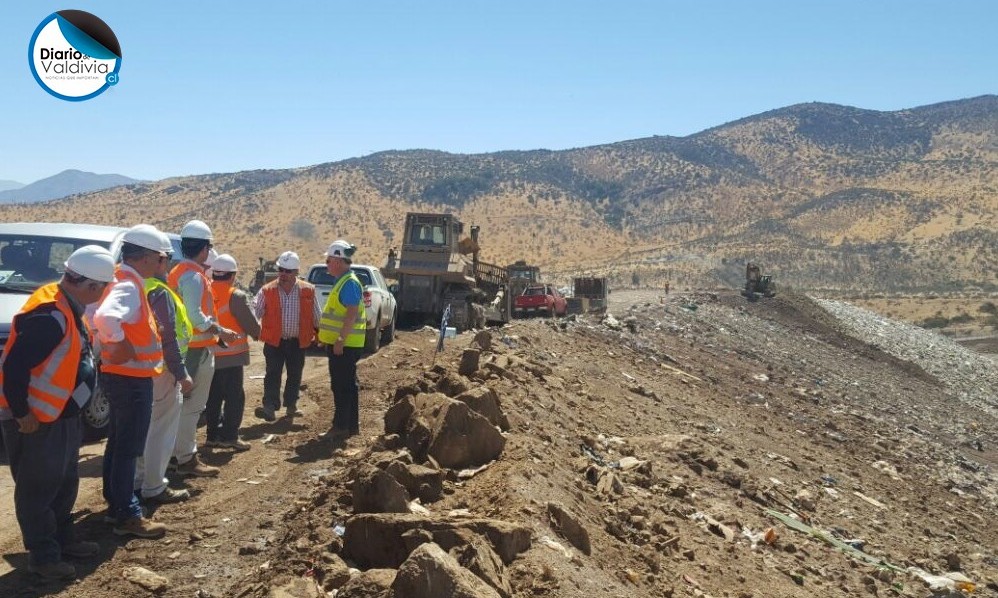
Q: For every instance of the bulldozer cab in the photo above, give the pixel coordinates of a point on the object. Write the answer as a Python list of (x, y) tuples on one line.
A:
[(431, 231)]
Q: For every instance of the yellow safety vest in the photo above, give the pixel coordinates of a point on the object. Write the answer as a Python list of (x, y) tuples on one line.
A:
[(335, 313), (183, 325)]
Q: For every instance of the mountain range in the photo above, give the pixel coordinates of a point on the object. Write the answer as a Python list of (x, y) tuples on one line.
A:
[(67, 182), (824, 196)]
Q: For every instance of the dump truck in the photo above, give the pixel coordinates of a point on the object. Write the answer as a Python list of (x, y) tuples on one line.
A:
[(437, 266), (589, 293), (521, 276), (756, 284)]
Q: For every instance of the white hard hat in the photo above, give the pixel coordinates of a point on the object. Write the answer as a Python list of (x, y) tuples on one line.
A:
[(164, 243), (212, 256), (92, 261), (148, 237), (289, 261), (224, 264), (341, 249), (195, 229)]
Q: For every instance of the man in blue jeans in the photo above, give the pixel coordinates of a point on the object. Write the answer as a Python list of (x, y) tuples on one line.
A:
[(131, 356), (47, 375)]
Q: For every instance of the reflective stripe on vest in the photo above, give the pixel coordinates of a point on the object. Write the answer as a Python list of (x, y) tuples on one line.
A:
[(182, 324), (143, 335), (272, 323), (53, 381), (207, 307), (222, 292), (334, 315)]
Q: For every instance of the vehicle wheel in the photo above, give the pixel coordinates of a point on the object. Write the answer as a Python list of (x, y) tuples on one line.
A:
[(388, 334), (96, 416), (372, 341)]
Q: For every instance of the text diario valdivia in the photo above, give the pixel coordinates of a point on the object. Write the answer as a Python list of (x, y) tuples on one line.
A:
[(70, 61)]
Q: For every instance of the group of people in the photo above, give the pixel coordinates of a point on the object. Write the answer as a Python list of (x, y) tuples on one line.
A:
[(172, 346)]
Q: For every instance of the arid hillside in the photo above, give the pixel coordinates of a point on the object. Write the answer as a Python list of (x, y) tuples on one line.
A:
[(825, 196)]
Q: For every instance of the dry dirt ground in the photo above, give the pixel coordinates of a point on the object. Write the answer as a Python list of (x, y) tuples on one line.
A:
[(675, 443)]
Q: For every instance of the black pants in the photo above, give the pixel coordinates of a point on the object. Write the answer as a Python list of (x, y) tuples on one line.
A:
[(288, 352), (346, 392), (46, 480), (226, 400)]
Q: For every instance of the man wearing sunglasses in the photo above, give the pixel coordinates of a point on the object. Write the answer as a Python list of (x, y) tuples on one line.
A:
[(289, 316), (47, 377)]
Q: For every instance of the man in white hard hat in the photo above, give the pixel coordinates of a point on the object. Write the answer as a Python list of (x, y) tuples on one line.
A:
[(131, 356), (289, 315), (226, 399), (47, 375), (175, 330), (342, 329), (187, 279)]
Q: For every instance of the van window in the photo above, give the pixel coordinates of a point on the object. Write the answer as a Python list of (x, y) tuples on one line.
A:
[(28, 261)]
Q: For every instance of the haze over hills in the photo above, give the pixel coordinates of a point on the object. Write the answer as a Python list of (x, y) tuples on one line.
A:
[(824, 196), (8, 185), (67, 182)]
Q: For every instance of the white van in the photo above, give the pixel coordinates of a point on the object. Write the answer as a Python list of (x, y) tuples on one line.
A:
[(33, 254)]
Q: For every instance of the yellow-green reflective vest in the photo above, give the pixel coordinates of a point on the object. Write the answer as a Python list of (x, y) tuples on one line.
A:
[(184, 327), (335, 313)]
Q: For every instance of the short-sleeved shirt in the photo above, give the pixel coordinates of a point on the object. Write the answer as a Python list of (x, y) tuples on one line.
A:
[(351, 293)]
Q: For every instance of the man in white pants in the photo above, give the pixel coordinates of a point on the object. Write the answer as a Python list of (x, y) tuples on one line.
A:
[(188, 280), (175, 330)]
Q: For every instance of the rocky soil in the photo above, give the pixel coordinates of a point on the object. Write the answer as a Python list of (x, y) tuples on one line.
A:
[(694, 445)]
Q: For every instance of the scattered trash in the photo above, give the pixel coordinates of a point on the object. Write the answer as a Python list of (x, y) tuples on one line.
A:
[(761, 378), (872, 501), (554, 545), (339, 529), (268, 438), (257, 377), (418, 509), (830, 539), (466, 474), (952, 581)]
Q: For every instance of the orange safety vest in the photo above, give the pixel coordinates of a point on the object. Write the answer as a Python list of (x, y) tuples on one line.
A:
[(271, 326), (53, 381), (200, 339), (143, 335), (222, 292)]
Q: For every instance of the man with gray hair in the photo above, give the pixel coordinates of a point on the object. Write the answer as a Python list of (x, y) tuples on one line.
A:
[(289, 316)]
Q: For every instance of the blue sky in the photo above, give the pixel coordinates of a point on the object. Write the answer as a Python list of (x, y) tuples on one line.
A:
[(220, 86)]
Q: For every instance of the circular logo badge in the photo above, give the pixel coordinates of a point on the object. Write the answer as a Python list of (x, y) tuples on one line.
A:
[(74, 55)]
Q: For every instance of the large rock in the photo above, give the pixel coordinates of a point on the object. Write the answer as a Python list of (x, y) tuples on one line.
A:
[(485, 402), (420, 481), (397, 416), (446, 430), (476, 555), (469, 362), (452, 385), (373, 583), (569, 527), (376, 491), (429, 572), (376, 540)]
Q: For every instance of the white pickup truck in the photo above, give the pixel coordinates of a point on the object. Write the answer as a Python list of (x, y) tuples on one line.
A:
[(379, 302)]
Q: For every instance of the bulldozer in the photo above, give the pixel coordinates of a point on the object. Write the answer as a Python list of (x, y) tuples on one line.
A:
[(264, 274), (521, 276), (756, 284), (438, 267)]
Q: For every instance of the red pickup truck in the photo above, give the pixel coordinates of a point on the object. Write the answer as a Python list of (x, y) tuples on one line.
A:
[(540, 299)]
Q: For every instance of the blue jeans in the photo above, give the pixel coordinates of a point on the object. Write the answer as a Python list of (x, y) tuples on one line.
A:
[(46, 480), (131, 408)]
